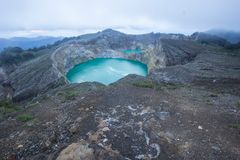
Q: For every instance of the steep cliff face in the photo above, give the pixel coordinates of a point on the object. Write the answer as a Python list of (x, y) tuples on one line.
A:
[(34, 77), (49, 70), (211, 66), (155, 50)]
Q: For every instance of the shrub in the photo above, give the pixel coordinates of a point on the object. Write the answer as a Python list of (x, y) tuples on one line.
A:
[(14, 56), (144, 84), (70, 95), (236, 126), (7, 107), (169, 86), (67, 94), (150, 84), (24, 117)]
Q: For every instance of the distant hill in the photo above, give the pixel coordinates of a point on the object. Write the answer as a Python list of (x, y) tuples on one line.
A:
[(206, 38), (231, 36), (214, 40), (27, 43)]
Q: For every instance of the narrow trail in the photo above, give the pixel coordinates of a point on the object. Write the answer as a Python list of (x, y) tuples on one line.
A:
[(55, 64)]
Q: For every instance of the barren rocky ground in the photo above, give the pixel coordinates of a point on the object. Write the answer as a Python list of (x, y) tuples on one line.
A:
[(128, 120), (188, 109)]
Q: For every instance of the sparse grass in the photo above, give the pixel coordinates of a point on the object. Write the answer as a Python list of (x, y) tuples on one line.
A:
[(151, 84), (144, 84), (170, 86), (68, 94), (7, 107), (236, 126), (24, 117)]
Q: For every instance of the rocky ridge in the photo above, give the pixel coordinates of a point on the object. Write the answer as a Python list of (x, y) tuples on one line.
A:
[(186, 108), (157, 51)]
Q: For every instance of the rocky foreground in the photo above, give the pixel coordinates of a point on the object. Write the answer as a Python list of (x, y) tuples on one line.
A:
[(188, 107)]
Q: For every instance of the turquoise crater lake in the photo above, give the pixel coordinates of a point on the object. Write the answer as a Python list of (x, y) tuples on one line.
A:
[(105, 70)]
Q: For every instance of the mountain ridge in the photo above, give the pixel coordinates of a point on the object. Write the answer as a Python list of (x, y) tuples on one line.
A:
[(231, 36), (186, 108), (26, 42)]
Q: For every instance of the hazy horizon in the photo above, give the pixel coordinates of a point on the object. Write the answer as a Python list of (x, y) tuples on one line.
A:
[(28, 18)]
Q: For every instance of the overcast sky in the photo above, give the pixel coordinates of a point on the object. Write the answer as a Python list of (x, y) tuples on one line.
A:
[(72, 17)]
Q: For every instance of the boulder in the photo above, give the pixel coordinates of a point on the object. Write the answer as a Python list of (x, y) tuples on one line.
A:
[(77, 151)]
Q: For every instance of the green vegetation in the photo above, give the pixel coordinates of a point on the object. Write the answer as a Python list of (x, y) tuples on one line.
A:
[(212, 40), (14, 55), (24, 117), (151, 84), (144, 84), (7, 107), (68, 94), (233, 46), (236, 126), (35, 49), (170, 86)]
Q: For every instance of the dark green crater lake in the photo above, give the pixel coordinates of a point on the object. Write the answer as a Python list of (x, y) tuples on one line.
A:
[(105, 70)]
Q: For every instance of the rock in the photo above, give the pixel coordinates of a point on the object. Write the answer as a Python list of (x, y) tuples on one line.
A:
[(41, 157), (111, 127), (155, 151), (40, 76), (105, 129), (20, 146), (51, 139), (141, 156), (48, 143), (74, 128), (216, 148), (163, 115), (77, 151), (105, 140)]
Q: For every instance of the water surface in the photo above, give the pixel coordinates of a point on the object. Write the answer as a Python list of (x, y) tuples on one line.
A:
[(105, 70), (134, 51)]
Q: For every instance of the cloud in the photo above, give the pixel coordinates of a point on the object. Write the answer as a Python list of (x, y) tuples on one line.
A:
[(76, 16)]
